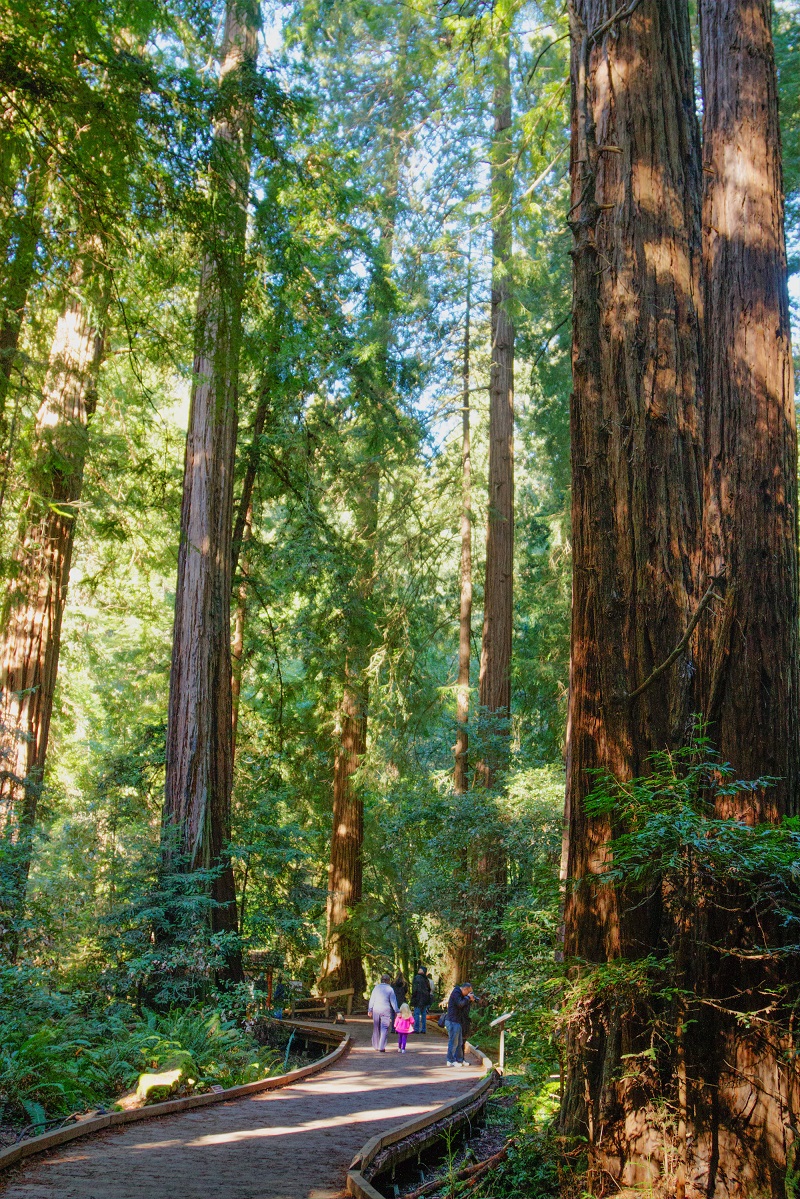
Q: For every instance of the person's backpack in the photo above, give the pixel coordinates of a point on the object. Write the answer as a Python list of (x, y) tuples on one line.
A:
[(442, 1019)]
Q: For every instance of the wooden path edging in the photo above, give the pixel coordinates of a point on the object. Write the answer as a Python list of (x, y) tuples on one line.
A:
[(358, 1186), (83, 1128)]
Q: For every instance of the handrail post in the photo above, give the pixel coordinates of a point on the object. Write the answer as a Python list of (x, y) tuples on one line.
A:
[(502, 1021)]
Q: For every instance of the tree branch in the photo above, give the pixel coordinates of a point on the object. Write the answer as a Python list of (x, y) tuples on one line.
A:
[(680, 647)]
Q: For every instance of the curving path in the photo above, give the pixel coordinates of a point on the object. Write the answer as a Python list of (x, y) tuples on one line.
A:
[(294, 1143)]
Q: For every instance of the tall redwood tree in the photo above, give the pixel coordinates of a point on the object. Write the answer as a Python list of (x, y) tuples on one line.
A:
[(637, 478), (31, 639), (749, 668), (199, 763), (498, 595)]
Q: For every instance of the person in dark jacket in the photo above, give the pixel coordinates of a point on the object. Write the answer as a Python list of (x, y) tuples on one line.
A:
[(400, 989), (457, 1018), (421, 996)]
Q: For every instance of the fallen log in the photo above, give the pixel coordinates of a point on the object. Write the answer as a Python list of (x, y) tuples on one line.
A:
[(471, 1173)]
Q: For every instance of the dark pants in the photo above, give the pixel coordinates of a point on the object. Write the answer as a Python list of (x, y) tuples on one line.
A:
[(402, 1037), (455, 1042), (420, 1019)]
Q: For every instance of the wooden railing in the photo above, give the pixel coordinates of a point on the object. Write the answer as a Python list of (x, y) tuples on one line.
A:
[(323, 1003), (386, 1149)]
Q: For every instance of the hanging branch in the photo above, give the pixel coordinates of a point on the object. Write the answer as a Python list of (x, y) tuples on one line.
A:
[(680, 647)]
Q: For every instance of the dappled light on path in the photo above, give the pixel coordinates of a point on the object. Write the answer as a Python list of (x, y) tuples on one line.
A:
[(294, 1143)]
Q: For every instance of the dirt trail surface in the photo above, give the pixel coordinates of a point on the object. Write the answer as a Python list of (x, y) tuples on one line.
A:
[(294, 1143)]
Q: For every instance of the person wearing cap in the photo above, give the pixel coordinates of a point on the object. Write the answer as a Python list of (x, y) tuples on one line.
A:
[(458, 1005)]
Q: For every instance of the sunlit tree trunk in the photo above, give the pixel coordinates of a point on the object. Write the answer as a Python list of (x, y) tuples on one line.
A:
[(749, 661), (199, 762), (35, 603), (636, 501)]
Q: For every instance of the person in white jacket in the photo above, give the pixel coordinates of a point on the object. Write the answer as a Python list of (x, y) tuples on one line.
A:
[(382, 1007)]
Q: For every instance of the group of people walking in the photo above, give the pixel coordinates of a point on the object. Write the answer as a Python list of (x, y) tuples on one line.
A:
[(389, 1007)]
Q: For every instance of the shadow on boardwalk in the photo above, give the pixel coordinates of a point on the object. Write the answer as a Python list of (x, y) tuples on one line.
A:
[(294, 1143)]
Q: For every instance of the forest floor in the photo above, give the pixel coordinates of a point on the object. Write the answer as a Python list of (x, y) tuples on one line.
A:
[(294, 1143)]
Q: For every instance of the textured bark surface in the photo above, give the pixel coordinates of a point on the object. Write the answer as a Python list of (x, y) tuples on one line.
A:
[(199, 764), (636, 463), (495, 670), (750, 665), (35, 603), (749, 657)]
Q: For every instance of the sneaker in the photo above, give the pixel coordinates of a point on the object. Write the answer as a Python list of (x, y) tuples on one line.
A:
[(452, 1063), (463, 1063)]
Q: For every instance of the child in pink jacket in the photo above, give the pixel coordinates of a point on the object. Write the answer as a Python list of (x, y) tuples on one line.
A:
[(403, 1023)]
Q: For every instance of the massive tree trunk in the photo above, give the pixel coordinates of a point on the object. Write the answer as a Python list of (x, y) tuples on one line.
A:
[(637, 478), (750, 674), (37, 594), (749, 667), (199, 764), (498, 596)]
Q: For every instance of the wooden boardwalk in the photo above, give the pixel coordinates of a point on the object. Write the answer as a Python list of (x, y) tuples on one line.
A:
[(295, 1143)]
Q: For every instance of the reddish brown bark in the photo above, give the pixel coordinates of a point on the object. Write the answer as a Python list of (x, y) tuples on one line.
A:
[(750, 669), (35, 603), (199, 763), (748, 662), (637, 474), (495, 669)]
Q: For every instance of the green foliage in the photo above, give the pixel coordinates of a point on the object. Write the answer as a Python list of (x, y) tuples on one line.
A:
[(672, 839), (69, 1052)]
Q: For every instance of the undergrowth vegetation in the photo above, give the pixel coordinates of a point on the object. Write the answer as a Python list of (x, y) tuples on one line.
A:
[(64, 1053)]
